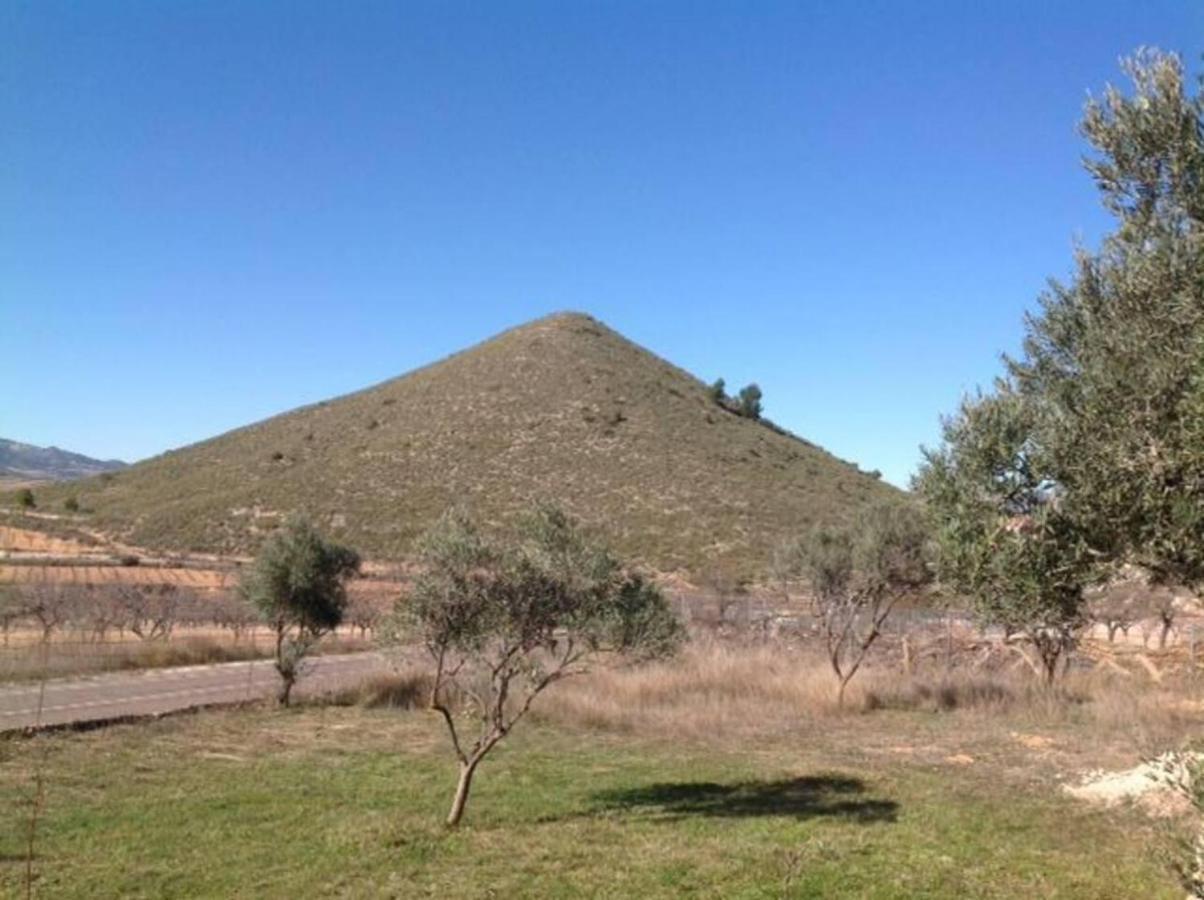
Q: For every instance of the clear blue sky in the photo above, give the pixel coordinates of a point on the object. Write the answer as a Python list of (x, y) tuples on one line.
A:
[(214, 211)]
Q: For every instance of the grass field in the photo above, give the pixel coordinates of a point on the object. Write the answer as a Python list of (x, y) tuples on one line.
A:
[(743, 799)]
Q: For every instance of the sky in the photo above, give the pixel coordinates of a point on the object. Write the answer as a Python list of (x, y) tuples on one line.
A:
[(211, 212)]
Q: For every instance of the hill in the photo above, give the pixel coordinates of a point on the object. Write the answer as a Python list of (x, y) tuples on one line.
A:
[(562, 408), (25, 462)]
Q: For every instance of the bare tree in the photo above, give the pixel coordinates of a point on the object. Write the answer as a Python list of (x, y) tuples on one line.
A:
[(1166, 610), (149, 611), (855, 578), (104, 611), (233, 613), (52, 606), (366, 612), (503, 623), (1114, 606)]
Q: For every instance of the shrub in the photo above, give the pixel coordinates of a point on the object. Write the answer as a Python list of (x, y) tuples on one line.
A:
[(298, 583), (750, 401)]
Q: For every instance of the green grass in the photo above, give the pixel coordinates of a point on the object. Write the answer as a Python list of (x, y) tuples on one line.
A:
[(348, 802), (562, 408)]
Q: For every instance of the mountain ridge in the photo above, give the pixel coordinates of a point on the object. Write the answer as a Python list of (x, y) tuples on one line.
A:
[(29, 462)]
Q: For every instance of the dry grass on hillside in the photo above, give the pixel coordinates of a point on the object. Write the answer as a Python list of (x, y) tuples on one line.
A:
[(562, 409)]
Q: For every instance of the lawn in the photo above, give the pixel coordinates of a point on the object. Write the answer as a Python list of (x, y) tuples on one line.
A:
[(349, 802)]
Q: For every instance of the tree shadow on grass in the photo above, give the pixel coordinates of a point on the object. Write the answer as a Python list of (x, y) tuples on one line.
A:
[(832, 796)]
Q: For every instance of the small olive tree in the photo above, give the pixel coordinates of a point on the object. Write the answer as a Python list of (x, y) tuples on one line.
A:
[(503, 622), (299, 585), (856, 575)]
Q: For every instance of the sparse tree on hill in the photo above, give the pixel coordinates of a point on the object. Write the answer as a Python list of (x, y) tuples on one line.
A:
[(298, 583), (856, 576), (502, 623), (1001, 529), (750, 401), (71, 504), (718, 391), (26, 499)]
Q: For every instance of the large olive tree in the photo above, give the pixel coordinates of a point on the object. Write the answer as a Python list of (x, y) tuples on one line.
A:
[(298, 583), (1115, 356), (503, 621), (1000, 528), (1089, 454)]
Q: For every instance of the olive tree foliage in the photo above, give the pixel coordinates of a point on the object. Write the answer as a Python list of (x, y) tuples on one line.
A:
[(1000, 526), (1115, 357), (502, 622), (1089, 454), (298, 583), (856, 575), (1183, 772)]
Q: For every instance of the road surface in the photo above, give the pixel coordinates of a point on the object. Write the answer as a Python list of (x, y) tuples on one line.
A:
[(99, 697)]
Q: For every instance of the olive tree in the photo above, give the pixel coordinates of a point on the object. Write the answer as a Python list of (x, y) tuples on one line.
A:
[(855, 576), (502, 622), (298, 583), (1002, 535), (1117, 353)]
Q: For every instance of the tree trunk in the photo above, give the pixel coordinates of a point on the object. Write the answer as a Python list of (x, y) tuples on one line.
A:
[(1049, 661), (461, 799), (286, 689), (840, 691)]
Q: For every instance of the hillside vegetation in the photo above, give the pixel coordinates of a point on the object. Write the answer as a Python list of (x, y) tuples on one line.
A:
[(562, 408)]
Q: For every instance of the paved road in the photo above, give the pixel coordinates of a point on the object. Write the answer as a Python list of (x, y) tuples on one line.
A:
[(72, 700)]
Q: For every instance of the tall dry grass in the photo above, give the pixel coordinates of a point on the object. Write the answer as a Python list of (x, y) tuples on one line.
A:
[(715, 688), (722, 689)]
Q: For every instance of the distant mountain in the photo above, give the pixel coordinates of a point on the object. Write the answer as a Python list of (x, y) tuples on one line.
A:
[(25, 462), (562, 409)]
